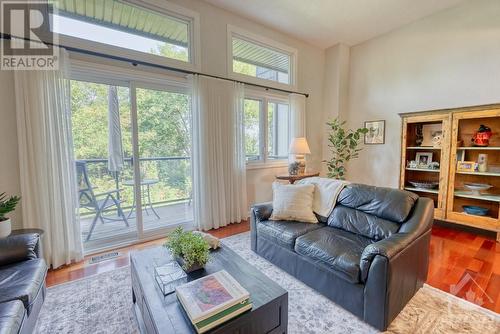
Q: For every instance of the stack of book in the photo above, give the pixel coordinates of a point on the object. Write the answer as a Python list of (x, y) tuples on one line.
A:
[(213, 300)]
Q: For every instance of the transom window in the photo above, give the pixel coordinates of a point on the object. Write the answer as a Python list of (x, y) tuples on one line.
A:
[(267, 129), (261, 59), (124, 25)]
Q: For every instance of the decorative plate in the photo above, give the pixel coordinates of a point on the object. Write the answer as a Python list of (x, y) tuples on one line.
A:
[(476, 188), (424, 184)]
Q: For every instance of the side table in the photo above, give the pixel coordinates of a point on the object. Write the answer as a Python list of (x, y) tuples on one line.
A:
[(293, 178)]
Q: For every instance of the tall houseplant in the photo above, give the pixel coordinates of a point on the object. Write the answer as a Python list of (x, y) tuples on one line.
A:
[(344, 147), (6, 205)]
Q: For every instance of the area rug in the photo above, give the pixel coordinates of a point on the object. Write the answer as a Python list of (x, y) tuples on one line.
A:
[(102, 304)]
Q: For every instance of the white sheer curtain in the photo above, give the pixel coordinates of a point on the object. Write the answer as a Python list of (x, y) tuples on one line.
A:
[(219, 171), (48, 181), (298, 115)]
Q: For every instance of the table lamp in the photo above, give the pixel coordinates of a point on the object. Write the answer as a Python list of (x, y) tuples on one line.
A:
[(299, 148)]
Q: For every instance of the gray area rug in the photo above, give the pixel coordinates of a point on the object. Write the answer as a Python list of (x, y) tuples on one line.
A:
[(102, 304)]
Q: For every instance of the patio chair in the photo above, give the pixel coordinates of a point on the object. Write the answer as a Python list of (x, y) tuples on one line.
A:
[(99, 202)]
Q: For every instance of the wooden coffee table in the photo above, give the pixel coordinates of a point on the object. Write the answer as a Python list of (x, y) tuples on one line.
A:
[(158, 314)]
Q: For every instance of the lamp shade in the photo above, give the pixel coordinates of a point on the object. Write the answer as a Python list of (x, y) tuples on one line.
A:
[(299, 146)]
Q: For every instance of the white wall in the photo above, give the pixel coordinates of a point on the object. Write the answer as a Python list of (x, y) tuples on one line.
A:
[(309, 79), (213, 47), (335, 90), (450, 59), (9, 162)]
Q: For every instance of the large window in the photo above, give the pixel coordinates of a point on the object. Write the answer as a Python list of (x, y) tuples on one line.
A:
[(267, 129), (260, 59), (124, 25), (278, 130)]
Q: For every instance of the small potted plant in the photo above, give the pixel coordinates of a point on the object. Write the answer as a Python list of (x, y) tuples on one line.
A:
[(6, 205), (190, 250)]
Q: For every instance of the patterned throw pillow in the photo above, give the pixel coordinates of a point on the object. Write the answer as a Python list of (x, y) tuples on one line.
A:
[(293, 202)]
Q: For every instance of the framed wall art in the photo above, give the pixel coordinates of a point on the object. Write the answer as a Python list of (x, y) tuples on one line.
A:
[(376, 132)]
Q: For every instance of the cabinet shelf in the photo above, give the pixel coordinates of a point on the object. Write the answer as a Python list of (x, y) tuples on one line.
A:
[(422, 148), (487, 148), (485, 197), (422, 190), (423, 170), (480, 173)]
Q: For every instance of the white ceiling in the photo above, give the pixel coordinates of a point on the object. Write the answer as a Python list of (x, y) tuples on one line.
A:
[(327, 22)]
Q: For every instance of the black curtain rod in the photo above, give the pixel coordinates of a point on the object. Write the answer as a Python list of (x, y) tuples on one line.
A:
[(164, 67)]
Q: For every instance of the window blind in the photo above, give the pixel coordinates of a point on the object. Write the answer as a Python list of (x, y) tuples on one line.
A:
[(126, 17), (246, 51)]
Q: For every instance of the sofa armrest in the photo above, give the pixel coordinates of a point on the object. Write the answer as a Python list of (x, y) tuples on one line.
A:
[(263, 211), (19, 247), (259, 212), (420, 222)]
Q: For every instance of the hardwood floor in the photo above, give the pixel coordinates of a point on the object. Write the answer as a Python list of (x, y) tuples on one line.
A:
[(468, 260), (84, 268), (460, 258)]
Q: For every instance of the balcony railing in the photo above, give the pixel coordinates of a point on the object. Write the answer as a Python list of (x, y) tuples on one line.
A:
[(172, 173)]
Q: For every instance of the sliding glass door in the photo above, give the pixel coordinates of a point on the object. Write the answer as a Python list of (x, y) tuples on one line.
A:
[(132, 145), (164, 142), (102, 139)]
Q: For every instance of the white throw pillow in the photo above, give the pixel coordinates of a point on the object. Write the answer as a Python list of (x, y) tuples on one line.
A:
[(293, 202)]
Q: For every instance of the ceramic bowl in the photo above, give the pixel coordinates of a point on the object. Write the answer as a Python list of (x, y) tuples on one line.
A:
[(475, 210)]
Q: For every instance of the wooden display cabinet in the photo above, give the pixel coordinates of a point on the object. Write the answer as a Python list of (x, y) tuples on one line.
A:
[(464, 125), (458, 128), (410, 149)]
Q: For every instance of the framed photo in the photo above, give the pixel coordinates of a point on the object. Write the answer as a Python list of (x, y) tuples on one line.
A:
[(423, 159), (466, 166), (376, 132), (432, 135)]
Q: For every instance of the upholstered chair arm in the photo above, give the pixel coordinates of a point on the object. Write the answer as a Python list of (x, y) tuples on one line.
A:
[(394, 269), (263, 211), (259, 212), (21, 247), (421, 221)]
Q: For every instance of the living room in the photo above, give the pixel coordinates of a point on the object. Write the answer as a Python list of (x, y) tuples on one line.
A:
[(280, 158)]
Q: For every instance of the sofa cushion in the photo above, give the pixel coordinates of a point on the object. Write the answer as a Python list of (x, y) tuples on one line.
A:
[(284, 232), (385, 203), (358, 222), (338, 250), (11, 317), (293, 202), (22, 281)]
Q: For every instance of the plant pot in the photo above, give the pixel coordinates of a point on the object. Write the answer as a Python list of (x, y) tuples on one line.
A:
[(194, 267), (5, 228)]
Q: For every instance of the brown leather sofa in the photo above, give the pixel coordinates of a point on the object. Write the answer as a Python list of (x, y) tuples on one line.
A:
[(22, 283)]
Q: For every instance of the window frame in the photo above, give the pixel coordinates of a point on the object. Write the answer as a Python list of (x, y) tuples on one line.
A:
[(161, 7), (265, 98), (265, 42)]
